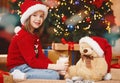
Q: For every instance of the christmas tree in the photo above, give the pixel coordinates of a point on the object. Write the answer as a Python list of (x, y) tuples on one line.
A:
[(73, 19)]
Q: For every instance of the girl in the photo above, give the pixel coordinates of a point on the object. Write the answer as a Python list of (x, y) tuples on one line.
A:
[(25, 52)]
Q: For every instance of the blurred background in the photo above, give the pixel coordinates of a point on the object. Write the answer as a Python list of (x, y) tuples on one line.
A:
[(67, 19)]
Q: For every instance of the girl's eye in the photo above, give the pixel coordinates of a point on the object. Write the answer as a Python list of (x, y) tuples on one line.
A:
[(41, 16), (34, 15)]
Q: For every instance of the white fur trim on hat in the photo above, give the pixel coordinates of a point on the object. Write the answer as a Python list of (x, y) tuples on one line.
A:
[(33, 9), (93, 44)]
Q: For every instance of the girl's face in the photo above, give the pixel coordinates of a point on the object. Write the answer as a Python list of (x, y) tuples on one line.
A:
[(36, 19)]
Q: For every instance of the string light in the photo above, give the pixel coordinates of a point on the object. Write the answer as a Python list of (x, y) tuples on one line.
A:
[(90, 14), (71, 1), (86, 28), (108, 27)]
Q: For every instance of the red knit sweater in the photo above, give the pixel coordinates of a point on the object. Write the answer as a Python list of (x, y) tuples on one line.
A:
[(21, 51)]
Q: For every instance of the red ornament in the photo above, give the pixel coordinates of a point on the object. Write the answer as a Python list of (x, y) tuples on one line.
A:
[(88, 19), (63, 41), (110, 18), (98, 3), (64, 18)]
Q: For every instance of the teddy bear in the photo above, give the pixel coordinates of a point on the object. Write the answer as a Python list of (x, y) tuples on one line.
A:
[(95, 60)]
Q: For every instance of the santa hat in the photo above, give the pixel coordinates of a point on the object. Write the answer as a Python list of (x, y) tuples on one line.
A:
[(31, 6), (101, 47)]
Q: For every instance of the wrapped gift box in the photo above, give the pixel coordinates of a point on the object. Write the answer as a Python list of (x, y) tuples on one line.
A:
[(60, 46), (73, 53), (5, 77), (53, 55), (115, 74)]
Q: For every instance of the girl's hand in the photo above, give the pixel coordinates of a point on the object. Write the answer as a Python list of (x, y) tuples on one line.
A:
[(58, 66)]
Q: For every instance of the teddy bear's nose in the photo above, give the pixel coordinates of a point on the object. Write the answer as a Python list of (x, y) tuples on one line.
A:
[(85, 50)]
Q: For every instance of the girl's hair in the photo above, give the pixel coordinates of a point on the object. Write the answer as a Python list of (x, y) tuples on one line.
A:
[(27, 27)]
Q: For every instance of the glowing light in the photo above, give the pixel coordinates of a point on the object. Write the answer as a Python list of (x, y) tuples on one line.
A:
[(86, 28), (108, 27), (71, 1)]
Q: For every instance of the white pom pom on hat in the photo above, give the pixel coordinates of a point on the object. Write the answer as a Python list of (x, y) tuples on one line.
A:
[(17, 29), (108, 76), (29, 7)]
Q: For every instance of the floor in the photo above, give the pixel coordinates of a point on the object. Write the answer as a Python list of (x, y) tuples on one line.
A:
[(59, 81)]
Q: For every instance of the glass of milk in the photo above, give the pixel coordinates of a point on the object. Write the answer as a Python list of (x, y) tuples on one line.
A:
[(63, 58)]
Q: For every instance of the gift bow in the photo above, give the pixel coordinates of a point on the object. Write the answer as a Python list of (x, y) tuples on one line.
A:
[(70, 44)]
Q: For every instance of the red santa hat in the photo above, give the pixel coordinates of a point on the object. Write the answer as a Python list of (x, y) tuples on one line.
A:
[(31, 6), (101, 47)]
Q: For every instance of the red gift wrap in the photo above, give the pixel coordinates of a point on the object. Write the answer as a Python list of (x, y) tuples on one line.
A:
[(5, 77)]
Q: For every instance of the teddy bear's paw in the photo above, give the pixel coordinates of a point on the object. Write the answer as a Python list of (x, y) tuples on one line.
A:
[(88, 81), (76, 78), (68, 80), (78, 81)]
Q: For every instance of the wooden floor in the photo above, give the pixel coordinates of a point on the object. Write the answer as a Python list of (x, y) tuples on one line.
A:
[(59, 81), (41, 81)]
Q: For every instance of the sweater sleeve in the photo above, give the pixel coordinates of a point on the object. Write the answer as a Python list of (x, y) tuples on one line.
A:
[(26, 46)]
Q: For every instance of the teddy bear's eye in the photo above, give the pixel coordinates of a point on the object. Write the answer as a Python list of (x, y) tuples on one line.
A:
[(85, 50), (91, 48)]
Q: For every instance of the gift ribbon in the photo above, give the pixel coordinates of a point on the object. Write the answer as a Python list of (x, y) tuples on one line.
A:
[(117, 66), (70, 47), (1, 78), (70, 44), (1, 75), (73, 58), (46, 50)]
